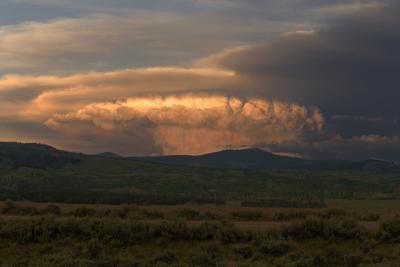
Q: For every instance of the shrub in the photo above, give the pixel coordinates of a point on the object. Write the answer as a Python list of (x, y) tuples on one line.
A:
[(390, 230), (291, 215), (247, 215), (347, 229), (208, 215), (275, 248), (306, 229), (189, 214), (285, 203), (369, 217), (84, 212), (122, 212), (334, 213), (353, 260), (326, 229), (206, 231), (153, 214), (51, 209), (209, 256), (229, 233), (165, 257), (93, 249), (175, 230), (11, 208), (245, 252), (328, 256)]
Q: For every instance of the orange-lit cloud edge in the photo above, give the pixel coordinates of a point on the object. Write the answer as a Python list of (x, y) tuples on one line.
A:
[(162, 110)]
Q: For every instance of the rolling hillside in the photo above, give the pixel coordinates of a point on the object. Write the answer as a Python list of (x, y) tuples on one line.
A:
[(254, 158), (246, 158), (45, 174)]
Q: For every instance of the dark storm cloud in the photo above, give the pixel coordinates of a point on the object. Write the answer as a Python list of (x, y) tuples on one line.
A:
[(355, 148), (350, 126), (351, 68)]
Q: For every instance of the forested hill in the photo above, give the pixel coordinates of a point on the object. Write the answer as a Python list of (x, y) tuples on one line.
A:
[(42, 173), (246, 158), (254, 158), (44, 156)]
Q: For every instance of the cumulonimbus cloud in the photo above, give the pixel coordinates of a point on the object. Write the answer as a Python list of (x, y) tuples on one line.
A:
[(193, 124), (262, 94), (36, 98)]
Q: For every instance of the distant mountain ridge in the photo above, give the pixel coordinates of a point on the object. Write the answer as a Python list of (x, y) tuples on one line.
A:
[(109, 155), (254, 158), (41, 156)]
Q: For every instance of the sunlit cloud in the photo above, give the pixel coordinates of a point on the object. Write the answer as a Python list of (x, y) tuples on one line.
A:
[(35, 98), (193, 124)]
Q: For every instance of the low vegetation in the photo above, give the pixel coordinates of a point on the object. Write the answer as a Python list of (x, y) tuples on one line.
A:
[(85, 235)]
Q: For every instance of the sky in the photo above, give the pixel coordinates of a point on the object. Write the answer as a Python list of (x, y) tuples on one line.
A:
[(309, 78)]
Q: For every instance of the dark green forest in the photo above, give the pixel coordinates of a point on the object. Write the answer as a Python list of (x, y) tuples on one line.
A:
[(43, 174)]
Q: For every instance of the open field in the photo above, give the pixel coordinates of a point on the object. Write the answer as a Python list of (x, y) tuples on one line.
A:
[(39, 234), (78, 210)]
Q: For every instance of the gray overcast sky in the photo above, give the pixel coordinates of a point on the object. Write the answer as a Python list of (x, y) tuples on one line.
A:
[(146, 33)]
